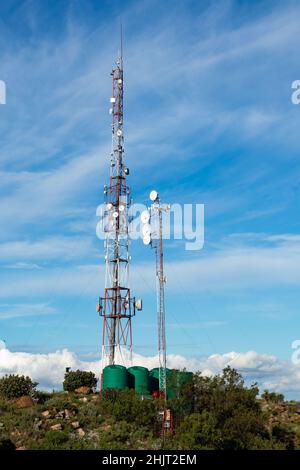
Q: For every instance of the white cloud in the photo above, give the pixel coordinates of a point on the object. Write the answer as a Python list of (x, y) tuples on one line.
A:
[(48, 369)]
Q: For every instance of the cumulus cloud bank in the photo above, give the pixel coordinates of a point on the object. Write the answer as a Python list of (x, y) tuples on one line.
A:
[(48, 369)]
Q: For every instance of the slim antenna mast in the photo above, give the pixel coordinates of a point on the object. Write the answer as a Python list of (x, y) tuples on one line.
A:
[(154, 234)]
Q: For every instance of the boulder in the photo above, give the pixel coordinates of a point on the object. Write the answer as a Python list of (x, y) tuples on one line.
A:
[(56, 427), (37, 425), (68, 414), (83, 390), (24, 402), (80, 432), (75, 425), (46, 414)]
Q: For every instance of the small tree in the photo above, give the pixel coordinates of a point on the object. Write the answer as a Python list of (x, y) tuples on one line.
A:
[(79, 378), (272, 397), (16, 386)]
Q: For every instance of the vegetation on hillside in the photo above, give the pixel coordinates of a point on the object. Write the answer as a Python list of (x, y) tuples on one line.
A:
[(218, 412), (79, 378)]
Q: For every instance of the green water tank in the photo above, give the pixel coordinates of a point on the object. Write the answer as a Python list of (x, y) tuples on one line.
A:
[(155, 372), (115, 376), (139, 379)]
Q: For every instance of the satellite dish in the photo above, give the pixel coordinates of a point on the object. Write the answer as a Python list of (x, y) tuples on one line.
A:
[(145, 217), (153, 195), (147, 239), (146, 230), (109, 206), (119, 132), (112, 99), (121, 208), (115, 215)]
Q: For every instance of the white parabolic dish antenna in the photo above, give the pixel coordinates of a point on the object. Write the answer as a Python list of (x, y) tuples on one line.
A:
[(146, 230), (145, 216), (153, 195), (147, 239)]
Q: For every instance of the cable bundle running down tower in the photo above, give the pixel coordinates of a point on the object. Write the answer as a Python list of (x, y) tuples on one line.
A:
[(117, 307)]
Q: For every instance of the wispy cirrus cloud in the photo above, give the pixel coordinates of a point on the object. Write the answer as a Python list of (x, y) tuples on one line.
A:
[(10, 311), (233, 267)]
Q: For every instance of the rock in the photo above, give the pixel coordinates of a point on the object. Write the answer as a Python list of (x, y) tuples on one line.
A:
[(37, 426), (68, 414), (80, 432), (75, 424), (24, 402), (56, 427), (1, 425), (84, 399), (46, 414), (84, 390)]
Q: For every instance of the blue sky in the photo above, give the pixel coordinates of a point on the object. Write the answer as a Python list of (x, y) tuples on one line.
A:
[(208, 119)]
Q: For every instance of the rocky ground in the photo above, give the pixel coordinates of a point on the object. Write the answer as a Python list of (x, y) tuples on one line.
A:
[(286, 415), (79, 421), (68, 421)]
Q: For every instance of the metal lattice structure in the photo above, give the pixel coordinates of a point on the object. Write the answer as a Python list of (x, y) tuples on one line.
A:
[(117, 307), (156, 237), (160, 292)]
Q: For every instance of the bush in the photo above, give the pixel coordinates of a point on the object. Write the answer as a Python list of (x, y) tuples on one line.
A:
[(227, 414), (285, 436), (16, 386), (79, 378), (272, 397), (199, 431), (126, 405)]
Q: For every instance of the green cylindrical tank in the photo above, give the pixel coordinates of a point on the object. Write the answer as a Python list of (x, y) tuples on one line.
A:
[(155, 372), (115, 376), (139, 378)]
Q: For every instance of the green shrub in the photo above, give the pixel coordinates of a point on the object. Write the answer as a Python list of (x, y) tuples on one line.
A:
[(272, 397), (285, 436), (79, 378), (55, 439), (199, 431), (15, 386), (42, 397), (126, 405)]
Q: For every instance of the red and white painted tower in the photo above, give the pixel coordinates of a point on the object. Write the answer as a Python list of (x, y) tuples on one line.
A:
[(117, 307)]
